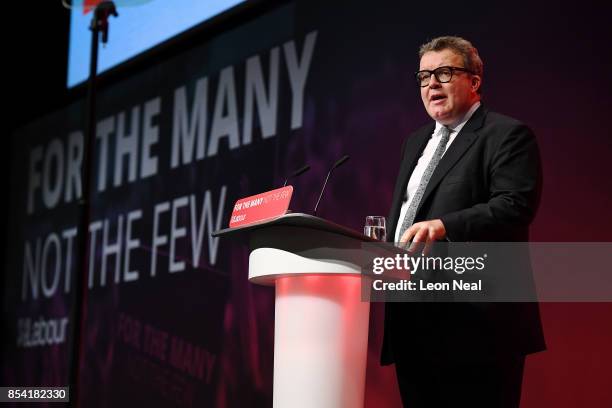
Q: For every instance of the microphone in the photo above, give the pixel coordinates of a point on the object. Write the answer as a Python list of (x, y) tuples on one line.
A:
[(296, 173), (336, 164)]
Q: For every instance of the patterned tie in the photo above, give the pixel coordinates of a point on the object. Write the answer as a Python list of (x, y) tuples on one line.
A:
[(418, 195)]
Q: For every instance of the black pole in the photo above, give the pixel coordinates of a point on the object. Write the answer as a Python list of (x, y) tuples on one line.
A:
[(99, 26)]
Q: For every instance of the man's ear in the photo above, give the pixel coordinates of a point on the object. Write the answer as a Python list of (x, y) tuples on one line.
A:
[(476, 82)]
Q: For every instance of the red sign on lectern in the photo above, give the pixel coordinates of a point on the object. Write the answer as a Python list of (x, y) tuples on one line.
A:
[(264, 206)]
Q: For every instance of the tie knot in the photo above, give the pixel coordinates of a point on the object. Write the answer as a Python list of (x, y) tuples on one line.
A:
[(445, 131)]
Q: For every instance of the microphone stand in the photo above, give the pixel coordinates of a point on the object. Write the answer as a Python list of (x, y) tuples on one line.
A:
[(98, 27), (340, 161)]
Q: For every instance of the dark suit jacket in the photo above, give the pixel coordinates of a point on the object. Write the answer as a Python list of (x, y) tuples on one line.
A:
[(485, 188)]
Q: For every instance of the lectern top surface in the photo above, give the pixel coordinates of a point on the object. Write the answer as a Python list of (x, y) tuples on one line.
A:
[(294, 220)]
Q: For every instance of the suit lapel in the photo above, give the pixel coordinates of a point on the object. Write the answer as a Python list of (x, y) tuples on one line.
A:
[(460, 145)]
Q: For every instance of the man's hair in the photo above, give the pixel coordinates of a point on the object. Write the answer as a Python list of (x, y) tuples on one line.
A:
[(462, 47)]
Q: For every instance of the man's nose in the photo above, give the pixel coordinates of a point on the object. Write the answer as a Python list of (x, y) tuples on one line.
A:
[(433, 82)]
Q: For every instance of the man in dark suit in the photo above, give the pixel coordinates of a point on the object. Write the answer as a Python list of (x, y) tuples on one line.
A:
[(473, 175)]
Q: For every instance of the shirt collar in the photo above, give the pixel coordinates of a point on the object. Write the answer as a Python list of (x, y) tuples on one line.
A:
[(457, 127)]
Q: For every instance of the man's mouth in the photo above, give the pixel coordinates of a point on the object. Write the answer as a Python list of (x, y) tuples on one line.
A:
[(437, 98)]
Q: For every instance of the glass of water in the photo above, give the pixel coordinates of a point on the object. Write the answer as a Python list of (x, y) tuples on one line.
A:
[(375, 227)]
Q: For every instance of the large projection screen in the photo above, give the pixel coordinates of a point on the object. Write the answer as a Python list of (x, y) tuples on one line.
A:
[(141, 25)]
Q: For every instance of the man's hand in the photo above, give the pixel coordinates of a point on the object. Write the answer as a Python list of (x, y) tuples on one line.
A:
[(423, 234)]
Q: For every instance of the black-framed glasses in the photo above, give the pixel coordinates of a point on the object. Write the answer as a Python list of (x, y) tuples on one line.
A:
[(443, 74)]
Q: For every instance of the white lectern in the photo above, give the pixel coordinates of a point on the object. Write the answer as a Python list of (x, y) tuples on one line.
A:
[(321, 323)]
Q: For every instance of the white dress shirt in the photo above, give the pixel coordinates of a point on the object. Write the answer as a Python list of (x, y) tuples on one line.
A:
[(417, 173)]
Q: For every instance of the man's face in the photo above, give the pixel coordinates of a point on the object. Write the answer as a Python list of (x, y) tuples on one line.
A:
[(448, 102)]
